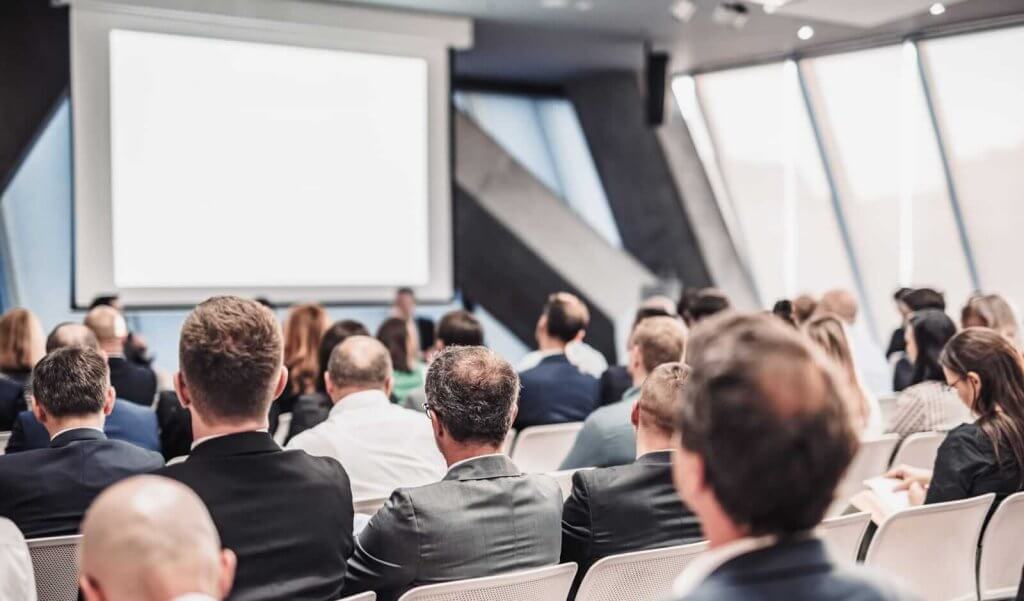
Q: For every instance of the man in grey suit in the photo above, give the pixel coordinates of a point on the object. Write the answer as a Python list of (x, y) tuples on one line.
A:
[(484, 517)]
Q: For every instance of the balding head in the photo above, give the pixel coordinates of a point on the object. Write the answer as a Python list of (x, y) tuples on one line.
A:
[(71, 334), (149, 538), (565, 318), (109, 326), (661, 397), (840, 302), (358, 363)]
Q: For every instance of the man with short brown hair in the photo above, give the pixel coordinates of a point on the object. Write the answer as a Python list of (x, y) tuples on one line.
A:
[(133, 382), (287, 515)]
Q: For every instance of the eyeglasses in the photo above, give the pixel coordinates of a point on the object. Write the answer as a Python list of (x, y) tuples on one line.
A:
[(428, 409), (952, 387)]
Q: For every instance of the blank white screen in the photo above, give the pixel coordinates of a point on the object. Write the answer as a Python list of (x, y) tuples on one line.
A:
[(248, 164)]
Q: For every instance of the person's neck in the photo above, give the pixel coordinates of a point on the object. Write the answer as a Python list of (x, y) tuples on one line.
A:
[(203, 429), (719, 529), (53, 426), (639, 375), (340, 393), (112, 348), (158, 587), (462, 452), (551, 345), (648, 441)]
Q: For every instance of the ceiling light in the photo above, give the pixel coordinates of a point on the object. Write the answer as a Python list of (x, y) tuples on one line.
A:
[(731, 14), (584, 5), (554, 3), (683, 10), (805, 33), (770, 6), (937, 9)]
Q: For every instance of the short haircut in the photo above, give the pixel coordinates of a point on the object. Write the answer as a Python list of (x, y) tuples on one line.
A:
[(108, 300), (767, 415), (660, 340), (920, 299), (71, 381), (335, 335), (359, 361), (460, 328), (231, 356), (405, 290), (662, 395), (567, 316), (704, 303), (71, 334), (472, 390)]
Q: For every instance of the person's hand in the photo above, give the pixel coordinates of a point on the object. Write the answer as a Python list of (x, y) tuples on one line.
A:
[(916, 494), (910, 475)]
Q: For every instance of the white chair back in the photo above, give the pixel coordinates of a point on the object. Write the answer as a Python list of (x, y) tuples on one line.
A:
[(284, 422), (638, 576), (543, 448), (542, 584), (4, 437), (367, 596), (1002, 550), (843, 535), (933, 548), (510, 439), (368, 506), (872, 460), (564, 479), (55, 564), (919, 450), (177, 460)]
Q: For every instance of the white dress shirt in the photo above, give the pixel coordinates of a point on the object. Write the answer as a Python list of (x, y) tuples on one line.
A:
[(586, 358), (705, 564), (17, 580), (382, 446)]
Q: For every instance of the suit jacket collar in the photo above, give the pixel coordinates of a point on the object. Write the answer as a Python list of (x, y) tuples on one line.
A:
[(656, 458), (76, 435), (484, 467), (243, 443), (554, 357), (798, 555)]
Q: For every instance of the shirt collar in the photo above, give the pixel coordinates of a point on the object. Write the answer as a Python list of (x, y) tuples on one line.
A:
[(707, 563), (75, 428), (197, 442), (468, 459), (364, 399)]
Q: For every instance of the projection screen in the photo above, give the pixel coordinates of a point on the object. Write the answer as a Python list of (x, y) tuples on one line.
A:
[(275, 148)]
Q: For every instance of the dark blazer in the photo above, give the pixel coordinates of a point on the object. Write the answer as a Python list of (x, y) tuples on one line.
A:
[(175, 425), (46, 491), (966, 467), (555, 392), (308, 411), (622, 509), (12, 399), (286, 515), (615, 381), (128, 422), (484, 518), (425, 331), (132, 381), (796, 571)]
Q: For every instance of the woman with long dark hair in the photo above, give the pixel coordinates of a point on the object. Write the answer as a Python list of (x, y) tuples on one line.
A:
[(407, 370), (927, 404)]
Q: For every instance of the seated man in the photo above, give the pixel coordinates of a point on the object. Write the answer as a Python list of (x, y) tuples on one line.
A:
[(45, 492), (608, 437), (286, 515), (763, 440), (556, 391), (133, 382), (382, 446), (484, 517), (633, 507), (127, 421), (148, 538)]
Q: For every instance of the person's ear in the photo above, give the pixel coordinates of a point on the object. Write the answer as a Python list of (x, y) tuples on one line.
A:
[(976, 384), (181, 388), (328, 385), (513, 413), (282, 382), (634, 415), (389, 385), (580, 336), (437, 427), (39, 412), (108, 401), (228, 565), (91, 590)]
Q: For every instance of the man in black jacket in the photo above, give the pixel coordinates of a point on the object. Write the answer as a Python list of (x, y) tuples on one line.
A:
[(132, 381), (46, 491), (286, 515)]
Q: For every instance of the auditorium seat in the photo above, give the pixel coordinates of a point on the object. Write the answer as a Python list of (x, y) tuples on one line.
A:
[(4, 437), (367, 596), (871, 461), (1002, 551), (638, 576), (919, 450), (55, 565), (551, 583), (933, 548), (368, 506), (541, 449), (564, 479), (844, 534)]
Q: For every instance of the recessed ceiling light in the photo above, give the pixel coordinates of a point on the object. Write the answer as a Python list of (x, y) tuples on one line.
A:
[(937, 9), (683, 10), (554, 3), (805, 33)]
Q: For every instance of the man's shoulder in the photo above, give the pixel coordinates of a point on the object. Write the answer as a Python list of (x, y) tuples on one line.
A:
[(839, 584), (134, 452)]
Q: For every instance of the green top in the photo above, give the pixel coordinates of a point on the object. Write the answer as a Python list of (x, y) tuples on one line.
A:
[(407, 382)]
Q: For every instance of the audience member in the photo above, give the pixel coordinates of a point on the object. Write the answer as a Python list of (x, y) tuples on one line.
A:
[(804, 306), (556, 391), (133, 382), (829, 333), (928, 404), (459, 328), (127, 421), (312, 409), (763, 440), (303, 329), (986, 371), (910, 301), (633, 507), (408, 369), (148, 538), (16, 573), (382, 446), (616, 380), (421, 329), (897, 343), (21, 347), (608, 437), (461, 527), (261, 498), (46, 491), (991, 311), (783, 309), (135, 349), (703, 303), (584, 357), (175, 425), (867, 356)]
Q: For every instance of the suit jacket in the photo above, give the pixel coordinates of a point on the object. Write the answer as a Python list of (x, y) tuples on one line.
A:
[(615, 381), (555, 392), (285, 514), (132, 382), (12, 399), (607, 437), (128, 422), (46, 491), (483, 518), (796, 571), (175, 425), (623, 509), (309, 410)]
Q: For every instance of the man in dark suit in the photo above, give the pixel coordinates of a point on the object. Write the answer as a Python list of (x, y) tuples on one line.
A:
[(132, 381), (484, 517), (127, 421), (46, 491), (764, 439), (556, 391), (633, 507), (287, 515)]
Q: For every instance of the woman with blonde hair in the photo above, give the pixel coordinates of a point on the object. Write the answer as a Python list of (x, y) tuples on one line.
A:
[(22, 345), (993, 312), (828, 332), (303, 329)]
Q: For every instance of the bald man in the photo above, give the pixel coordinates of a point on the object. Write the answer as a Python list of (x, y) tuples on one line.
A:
[(133, 382), (382, 446), (149, 538)]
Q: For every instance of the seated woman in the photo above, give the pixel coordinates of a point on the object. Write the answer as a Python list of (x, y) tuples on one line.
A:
[(991, 311), (408, 370), (986, 371), (928, 404), (22, 345)]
